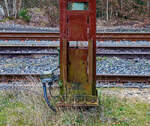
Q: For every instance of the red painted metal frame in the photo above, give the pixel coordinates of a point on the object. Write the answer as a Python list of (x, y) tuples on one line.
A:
[(88, 21)]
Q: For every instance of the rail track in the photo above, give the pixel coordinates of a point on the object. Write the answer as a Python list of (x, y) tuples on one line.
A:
[(119, 51), (55, 36), (127, 51), (103, 78)]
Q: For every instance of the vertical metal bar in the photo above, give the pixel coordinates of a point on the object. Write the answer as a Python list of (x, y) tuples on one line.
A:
[(61, 35), (63, 45), (63, 5), (90, 63), (92, 6), (64, 63)]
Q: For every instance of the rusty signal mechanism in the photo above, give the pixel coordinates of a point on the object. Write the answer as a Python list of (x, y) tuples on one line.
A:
[(78, 52), (77, 57)]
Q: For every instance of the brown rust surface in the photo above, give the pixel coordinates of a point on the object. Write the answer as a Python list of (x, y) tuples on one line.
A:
[(77, 27), (77, 71)]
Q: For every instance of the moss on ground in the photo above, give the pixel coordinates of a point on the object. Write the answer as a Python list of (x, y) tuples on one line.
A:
[(27, 109)]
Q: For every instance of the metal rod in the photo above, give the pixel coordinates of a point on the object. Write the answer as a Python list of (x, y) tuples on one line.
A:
[(46, 98)]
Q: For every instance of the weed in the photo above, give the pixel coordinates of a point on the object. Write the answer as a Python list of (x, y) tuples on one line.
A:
[(98, 58), (23, 14), (105, 58)]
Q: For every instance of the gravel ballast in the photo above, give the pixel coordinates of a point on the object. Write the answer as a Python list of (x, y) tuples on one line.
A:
[(115, 65), (28, 65), (28, 43), (40, 64)]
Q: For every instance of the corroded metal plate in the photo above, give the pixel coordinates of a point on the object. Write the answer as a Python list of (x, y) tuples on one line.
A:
[(77, 30), (78, 72)]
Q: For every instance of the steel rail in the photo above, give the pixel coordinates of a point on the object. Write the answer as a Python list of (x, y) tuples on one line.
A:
[(99, 77), (134, 50), (56, 36), (57, 46), (120, 53), (42, 52), (29, 36), (28, 53), (123, 46), (123, 36), (123, 78)]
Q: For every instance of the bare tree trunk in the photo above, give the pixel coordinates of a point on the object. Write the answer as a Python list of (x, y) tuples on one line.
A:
[(119, 12), (148, 7), (120, 4), (102, 9), (14, 8), (19, 4), (111, 13), (7, 8), (40, 3), (107, 10)]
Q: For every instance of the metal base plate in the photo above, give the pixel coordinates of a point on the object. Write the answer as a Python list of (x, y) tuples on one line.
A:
[(76, 105), (77, 101)]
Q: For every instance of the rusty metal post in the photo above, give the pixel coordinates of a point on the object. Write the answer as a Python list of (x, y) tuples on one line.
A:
[(78, 65)]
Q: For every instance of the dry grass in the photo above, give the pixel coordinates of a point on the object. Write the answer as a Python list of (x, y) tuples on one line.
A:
[(27, 108)]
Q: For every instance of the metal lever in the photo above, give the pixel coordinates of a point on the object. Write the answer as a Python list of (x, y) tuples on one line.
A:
[(44, 81)]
